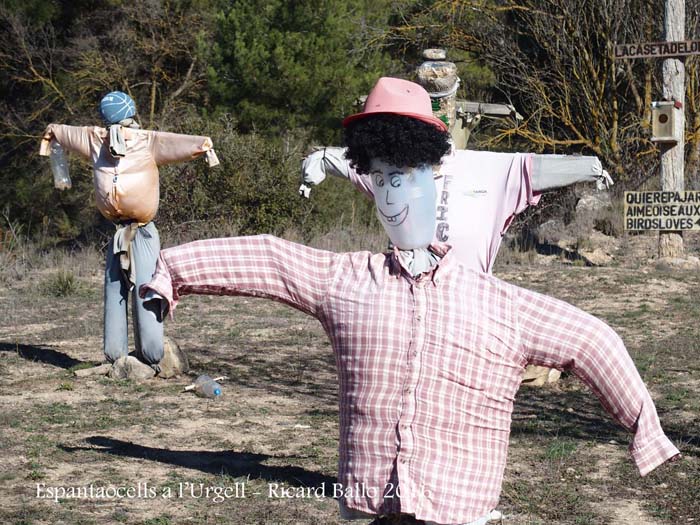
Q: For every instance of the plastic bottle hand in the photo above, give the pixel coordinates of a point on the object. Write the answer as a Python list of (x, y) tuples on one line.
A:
[(304, 191), (604, 181), (59, 167)]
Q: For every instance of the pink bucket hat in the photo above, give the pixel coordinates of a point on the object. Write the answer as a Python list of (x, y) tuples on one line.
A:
[(398, 97)]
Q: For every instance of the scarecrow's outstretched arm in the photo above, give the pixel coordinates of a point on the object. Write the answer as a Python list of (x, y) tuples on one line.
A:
[(322, 162), (556, 334), (169, 148), (74, 139), (549, 171), (556, 171), (256, 266)]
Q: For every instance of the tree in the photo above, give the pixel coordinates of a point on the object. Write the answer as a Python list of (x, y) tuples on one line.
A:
[(692, 68), (416, 25), (280, 65), (56, 63), (554, 61)]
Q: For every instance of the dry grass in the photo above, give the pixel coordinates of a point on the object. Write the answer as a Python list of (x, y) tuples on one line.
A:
[(350, 237)]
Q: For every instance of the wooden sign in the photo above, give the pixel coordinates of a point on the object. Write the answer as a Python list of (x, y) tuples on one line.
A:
[(662, 210), (658, 49)]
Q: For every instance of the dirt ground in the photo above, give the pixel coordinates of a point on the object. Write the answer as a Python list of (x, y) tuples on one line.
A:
[(154, 455)]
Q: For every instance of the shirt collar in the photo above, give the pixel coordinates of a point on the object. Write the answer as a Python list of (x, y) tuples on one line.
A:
[(442, 269)]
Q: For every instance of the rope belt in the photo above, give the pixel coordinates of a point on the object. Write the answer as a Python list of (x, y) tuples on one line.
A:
[(126, 232)]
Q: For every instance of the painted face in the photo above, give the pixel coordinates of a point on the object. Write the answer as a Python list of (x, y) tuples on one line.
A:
[(405, 201)]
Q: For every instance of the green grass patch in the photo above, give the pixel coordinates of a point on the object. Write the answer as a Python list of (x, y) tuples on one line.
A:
[(559, 450), (58, 413), (677, 394), (80, 366), (61, 284)]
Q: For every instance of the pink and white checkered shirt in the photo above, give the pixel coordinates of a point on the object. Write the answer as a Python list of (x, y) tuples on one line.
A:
[(428, 367)]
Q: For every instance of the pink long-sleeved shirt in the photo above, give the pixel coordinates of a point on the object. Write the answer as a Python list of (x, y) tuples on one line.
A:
[(428, 367)]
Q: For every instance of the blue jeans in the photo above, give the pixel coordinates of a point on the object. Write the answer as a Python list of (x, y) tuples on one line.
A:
[(148, 323)]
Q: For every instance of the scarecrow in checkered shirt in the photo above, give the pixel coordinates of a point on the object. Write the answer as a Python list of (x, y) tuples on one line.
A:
[(478, 192), (429, 353)]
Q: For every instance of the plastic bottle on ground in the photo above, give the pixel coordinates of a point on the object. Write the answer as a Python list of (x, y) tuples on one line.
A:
[(205, 386)]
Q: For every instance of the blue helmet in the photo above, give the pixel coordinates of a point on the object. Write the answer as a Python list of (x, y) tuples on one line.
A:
[(116, 106)]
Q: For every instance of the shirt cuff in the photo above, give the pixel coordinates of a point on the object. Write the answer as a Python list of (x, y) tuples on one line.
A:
[(160, 287), (163, 304), (653, 454)]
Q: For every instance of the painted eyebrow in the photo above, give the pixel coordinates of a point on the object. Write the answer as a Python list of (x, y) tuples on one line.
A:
[(396, 173), (375, 172)]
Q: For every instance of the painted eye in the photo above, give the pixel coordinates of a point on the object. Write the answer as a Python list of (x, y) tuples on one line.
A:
[(379, 180), (395, 181)]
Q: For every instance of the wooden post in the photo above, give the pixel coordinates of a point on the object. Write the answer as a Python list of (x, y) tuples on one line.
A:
[(672, 172)]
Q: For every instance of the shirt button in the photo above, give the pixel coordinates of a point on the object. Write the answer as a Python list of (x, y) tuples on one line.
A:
[(419, 318)]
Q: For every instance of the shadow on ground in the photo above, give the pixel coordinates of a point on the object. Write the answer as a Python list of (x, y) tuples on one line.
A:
[(574, 414), (234, 464), (315, 376), (578, 415), (41, 354)]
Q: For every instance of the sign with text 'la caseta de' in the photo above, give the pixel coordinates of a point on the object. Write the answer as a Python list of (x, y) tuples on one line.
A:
[(662, 210), (657, 49)]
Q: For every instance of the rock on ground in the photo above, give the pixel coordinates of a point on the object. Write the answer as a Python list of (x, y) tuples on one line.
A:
[(689, 262), (174, 362), (128, 367), (540, 376)]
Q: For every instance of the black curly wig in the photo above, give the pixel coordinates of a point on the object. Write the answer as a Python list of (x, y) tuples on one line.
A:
[(397, 140)]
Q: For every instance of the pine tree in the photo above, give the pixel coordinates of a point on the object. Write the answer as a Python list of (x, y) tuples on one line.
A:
[(279, 65)]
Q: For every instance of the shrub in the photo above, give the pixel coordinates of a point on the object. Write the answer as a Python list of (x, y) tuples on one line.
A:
[(61, 284)]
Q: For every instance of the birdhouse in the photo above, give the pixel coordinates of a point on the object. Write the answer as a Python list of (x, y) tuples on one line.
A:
[(665, 118)]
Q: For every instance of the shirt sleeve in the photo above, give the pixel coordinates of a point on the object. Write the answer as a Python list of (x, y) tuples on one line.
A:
[(519, 193), (558, 335), (168, 148), (75, 139), (256, 266), (557, 171), (361, 182)]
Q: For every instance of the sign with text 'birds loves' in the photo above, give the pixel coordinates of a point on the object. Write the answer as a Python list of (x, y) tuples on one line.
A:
[(662, 210)]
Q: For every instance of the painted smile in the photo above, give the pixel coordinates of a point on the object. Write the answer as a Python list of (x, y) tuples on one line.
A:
[(395, 220)]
